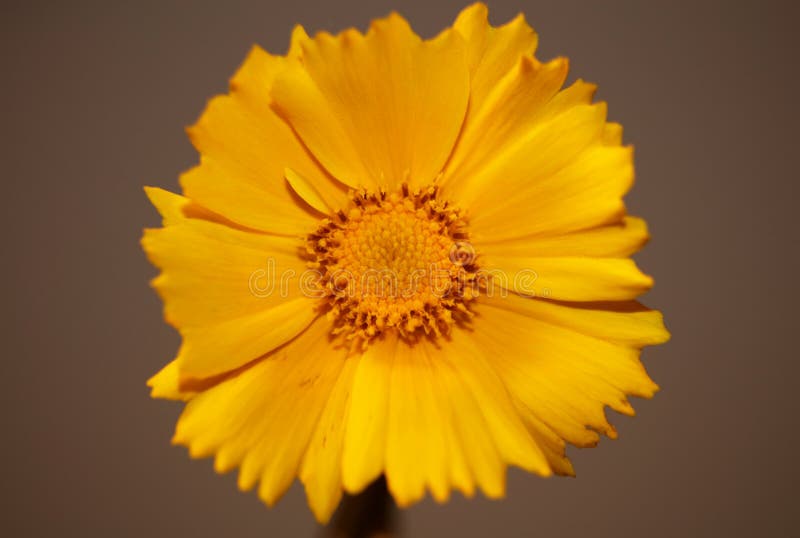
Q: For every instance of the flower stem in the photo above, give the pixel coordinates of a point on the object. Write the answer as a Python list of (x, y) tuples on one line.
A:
[(370, 514)]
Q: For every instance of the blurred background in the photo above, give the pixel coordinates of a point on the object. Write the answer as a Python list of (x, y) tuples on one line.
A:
[(95, 97)]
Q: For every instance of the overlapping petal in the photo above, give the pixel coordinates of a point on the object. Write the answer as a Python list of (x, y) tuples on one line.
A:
[(433, 418), (491, 51), (263, 419), (378, 109), (507, 114), (563, 372), (245, 149), (222, 289)]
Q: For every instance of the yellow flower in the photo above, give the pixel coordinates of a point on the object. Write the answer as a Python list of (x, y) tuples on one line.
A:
[(401, 257)]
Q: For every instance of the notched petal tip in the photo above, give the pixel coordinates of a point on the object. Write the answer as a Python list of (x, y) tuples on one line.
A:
[(393, 20), (582, 90), (520, 21)]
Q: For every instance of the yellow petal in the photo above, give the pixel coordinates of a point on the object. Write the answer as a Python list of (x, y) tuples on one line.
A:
[(579, 92), (447, 410), (625, 323), (569, 279), (474, 366), (166, 384), (552, 446), (417, 447), (613, 241), (452, 423), (169, 205), (236, 270), (175, 209), (483, 464), (245, 148), (321, 471), (219, 348), (508, 114), (586, 192), (246, 201), (314, 194), (491, 52), (531, 162), (234, 295), (263, 418), (563, 377), (612, 134), (364, 452), (377, 109)]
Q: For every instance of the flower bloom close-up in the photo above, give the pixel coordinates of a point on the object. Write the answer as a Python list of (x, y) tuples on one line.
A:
[(405, 258)]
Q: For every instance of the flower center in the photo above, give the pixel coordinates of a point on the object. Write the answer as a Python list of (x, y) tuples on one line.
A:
[(395, 261)]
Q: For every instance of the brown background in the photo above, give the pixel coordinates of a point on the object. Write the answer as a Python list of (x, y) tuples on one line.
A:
[(95, 97)]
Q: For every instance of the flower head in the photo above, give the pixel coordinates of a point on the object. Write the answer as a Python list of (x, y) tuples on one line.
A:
[(401, 257)]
